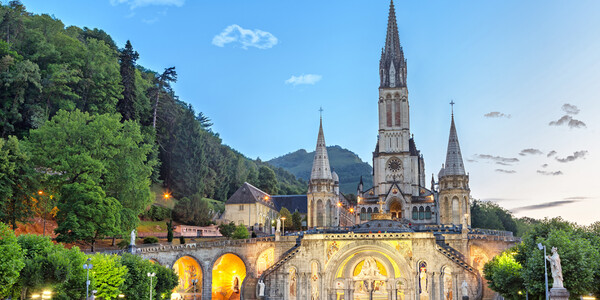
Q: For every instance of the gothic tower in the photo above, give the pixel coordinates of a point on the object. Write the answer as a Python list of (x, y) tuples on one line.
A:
[(321, 196), (398, 167), (454, 192)]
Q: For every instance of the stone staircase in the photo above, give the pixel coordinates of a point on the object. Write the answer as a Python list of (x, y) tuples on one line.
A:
[(289, 254), (459, 259)]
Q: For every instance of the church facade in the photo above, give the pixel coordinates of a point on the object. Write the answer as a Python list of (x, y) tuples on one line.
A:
[(402, 240)]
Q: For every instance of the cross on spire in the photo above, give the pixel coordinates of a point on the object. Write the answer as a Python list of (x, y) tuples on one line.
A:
[(321, 112), (452, 104)]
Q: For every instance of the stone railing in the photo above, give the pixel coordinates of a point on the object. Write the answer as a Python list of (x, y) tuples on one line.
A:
[(221, 243)]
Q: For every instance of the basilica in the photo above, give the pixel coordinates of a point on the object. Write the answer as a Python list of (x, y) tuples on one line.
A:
[(401, 240)]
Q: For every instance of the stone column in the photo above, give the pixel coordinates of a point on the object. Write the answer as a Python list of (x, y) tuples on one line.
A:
[(206, 281)]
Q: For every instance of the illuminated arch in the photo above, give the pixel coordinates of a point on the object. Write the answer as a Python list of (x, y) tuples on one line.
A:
[(189, 273), (265, 260), (395, 208), (228, 274), (447, 283)]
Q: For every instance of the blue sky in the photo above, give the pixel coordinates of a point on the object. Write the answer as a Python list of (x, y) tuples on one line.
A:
[(523, 60)]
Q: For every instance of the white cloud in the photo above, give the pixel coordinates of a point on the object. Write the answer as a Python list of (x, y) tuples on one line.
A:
[(304, 79), (140, 3), (246, 37)]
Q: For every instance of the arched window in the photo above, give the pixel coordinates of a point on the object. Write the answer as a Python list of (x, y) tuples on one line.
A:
[(415, 214), (363, 214), (369, 211), (421, 213), (428, 213), (376, 210)]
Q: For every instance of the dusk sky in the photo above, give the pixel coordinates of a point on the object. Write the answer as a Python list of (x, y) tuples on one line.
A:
[(525, 76)]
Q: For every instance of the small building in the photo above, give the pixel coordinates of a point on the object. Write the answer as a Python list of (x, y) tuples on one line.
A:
[(197, 231), (251, 207)]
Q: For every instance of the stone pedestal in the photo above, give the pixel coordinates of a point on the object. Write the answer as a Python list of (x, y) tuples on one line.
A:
[(277, 236), (559, 294), (131, 249)]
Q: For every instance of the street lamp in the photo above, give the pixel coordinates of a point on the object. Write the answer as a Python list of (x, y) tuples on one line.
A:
[(283, 227), (47, 295), (87, 267), (540, 246), (151, 275)]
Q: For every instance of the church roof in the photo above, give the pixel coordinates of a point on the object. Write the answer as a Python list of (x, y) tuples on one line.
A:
[(321, 168), (454, 162), (293, 203), (248, 194)]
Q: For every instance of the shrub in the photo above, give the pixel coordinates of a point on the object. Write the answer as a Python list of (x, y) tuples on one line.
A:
[(150, 240), (156, 213)]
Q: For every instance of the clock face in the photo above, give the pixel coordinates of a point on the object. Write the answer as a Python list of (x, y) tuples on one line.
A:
[(394, 164)]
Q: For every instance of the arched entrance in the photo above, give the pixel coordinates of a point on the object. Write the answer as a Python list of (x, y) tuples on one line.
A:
[(190, 279), (367, 270), (265, 260), (396, 209), (228, 274)]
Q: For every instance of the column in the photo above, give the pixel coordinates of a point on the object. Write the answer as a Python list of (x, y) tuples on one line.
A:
[(431, 279), (206, 281)]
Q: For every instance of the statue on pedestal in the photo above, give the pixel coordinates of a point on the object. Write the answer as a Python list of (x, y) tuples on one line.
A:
[(556, 268), (278, 225), (465, 290), (261, 288), (132, 241)]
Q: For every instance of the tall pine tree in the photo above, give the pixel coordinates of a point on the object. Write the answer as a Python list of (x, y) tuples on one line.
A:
[(126, 105)]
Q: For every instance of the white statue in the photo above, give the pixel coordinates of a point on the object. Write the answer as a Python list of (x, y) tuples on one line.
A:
[(556, 268), (465, 289), (132, 242), (278, 225), (261, 288)]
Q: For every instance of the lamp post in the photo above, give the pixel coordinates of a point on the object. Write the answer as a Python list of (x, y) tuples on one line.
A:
[(283, 225), (151, 275), (540, 246), (87, 267)]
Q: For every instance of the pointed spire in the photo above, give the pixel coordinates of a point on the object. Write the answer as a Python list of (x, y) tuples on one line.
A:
[(392, 64), (454, 162), (321, 169)]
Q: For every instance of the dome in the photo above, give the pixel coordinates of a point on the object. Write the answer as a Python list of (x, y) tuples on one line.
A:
[(335, 176)]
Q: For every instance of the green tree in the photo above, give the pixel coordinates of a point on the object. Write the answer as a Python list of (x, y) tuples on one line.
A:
[(11, 262), (227, 229), (193, 211), (267, 180), (296, 221), (489, 215), (285, 213), (127, 105), (170, 231), (108, 275), (503, 274), (137, 282), (79, 147), (166, 281), (86, 214), (163, 85), (241, 232), (17, 182)]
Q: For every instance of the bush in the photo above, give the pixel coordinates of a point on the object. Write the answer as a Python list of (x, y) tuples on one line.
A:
[(182, 240), (156, 213), (123, 244), (227, 229), (150, 240), (241, 232)]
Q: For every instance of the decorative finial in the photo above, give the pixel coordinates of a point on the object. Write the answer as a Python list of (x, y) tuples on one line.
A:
[(321, 112), (452, 104)]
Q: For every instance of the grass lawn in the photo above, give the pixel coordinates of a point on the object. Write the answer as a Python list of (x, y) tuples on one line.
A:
[(152, 226)]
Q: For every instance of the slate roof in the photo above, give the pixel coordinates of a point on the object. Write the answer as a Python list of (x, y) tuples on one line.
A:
[(454, 162), (291, 202), (248, 194)]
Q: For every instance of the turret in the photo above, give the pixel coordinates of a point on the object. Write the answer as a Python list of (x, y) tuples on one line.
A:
[(454, 192)]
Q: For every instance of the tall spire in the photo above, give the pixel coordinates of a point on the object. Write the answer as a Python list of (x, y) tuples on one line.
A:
[(454, 162), (321, 169), (392, 66)]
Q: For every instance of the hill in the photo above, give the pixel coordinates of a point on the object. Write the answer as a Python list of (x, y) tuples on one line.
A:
[(345, 163)]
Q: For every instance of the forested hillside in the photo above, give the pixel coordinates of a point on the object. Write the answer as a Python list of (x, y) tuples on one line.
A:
[(345, 163), (79, 116)]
